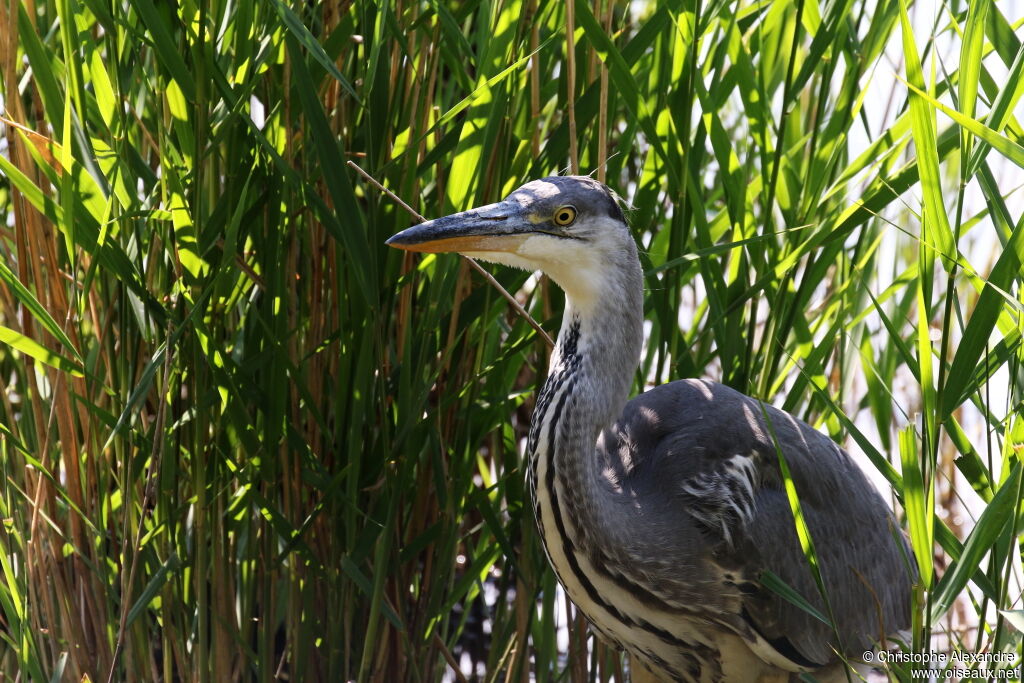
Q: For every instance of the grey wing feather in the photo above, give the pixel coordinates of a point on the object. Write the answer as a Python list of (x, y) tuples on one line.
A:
[(713, 445), (864, 559)]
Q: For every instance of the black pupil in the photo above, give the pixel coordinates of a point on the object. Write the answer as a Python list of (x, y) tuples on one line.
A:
[(564, 216)]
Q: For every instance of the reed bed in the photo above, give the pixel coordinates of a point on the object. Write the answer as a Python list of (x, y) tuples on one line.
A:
[(241, 439)]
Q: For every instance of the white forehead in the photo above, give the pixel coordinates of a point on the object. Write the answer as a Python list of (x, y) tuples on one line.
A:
[(535, 191), (554, 190), (541, 188)]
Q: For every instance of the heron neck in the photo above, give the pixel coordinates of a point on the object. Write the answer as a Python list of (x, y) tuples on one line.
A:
[(602, 331), (599, 348), (590, 376)]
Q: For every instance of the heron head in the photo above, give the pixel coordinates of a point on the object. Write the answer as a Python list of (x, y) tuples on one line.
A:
[(570, 227)]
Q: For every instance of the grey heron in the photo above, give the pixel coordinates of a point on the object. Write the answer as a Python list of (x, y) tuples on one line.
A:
[(662, 515)]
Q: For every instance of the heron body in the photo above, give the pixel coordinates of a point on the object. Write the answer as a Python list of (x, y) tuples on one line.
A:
[(661, 515)]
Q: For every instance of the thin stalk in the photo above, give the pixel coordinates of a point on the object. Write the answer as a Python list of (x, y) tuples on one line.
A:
[(472, 262), (570, 80)]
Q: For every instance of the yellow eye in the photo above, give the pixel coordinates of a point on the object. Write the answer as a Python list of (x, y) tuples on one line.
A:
[(565, 216)]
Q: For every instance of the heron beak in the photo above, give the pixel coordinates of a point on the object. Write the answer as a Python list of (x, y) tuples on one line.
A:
[(492, 228)]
